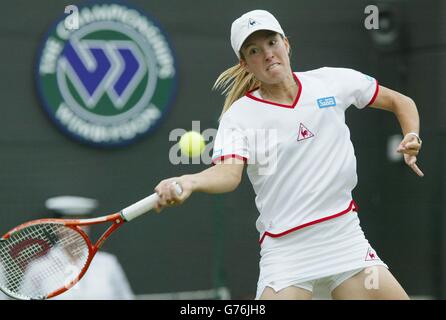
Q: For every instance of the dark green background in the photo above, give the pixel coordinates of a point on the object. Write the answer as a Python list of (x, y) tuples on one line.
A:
[(401, 214)]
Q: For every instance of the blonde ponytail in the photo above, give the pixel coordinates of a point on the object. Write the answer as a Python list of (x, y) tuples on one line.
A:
[(235, 82)]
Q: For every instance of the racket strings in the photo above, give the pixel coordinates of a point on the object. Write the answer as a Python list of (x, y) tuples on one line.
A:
[(41, 259)]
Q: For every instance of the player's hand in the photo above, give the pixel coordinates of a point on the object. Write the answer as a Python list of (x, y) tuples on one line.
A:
[(410, 147), (167, 192)]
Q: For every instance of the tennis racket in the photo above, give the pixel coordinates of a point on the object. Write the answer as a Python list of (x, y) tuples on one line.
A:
[(43, 258)]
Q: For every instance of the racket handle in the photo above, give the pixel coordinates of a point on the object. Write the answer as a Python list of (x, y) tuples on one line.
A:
[(142, 206)]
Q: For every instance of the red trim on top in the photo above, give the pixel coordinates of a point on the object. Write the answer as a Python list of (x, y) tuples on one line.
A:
[(249, 95), (352, 207), (375, 95), (228, 156)]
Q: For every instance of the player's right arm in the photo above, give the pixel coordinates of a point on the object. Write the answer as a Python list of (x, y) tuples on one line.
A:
[(223, 177)]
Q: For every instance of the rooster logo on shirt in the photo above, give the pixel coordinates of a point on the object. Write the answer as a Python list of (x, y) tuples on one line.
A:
[(304, 133)]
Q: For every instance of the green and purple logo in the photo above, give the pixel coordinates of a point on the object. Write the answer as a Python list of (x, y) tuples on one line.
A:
[(109, 81)]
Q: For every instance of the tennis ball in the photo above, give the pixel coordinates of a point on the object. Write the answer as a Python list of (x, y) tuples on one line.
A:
[(192, 144)]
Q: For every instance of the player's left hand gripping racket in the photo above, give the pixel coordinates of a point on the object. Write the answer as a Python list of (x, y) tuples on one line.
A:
[(43, 258)]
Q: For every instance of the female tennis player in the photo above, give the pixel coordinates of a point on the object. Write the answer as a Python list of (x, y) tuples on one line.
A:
[(289, 129)]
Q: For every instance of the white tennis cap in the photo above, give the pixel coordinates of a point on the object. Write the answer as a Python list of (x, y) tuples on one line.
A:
[(250, 22), (71, 205)]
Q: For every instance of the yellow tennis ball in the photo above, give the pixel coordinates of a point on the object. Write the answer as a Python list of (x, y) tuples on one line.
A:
[(192, 144)]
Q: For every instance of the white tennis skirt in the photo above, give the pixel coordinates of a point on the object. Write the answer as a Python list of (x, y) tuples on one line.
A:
[(318, 251)]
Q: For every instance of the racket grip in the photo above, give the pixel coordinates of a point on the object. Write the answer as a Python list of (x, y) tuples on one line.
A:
[(142, 206)]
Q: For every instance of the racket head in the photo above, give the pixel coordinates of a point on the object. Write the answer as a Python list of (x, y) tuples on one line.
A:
[(43, 258)]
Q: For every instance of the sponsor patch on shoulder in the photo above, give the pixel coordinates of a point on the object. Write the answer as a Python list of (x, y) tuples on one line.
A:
[(326, 102)]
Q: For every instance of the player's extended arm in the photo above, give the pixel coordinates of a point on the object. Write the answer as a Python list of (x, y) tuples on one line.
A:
[(406, 112), (223, 177)]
